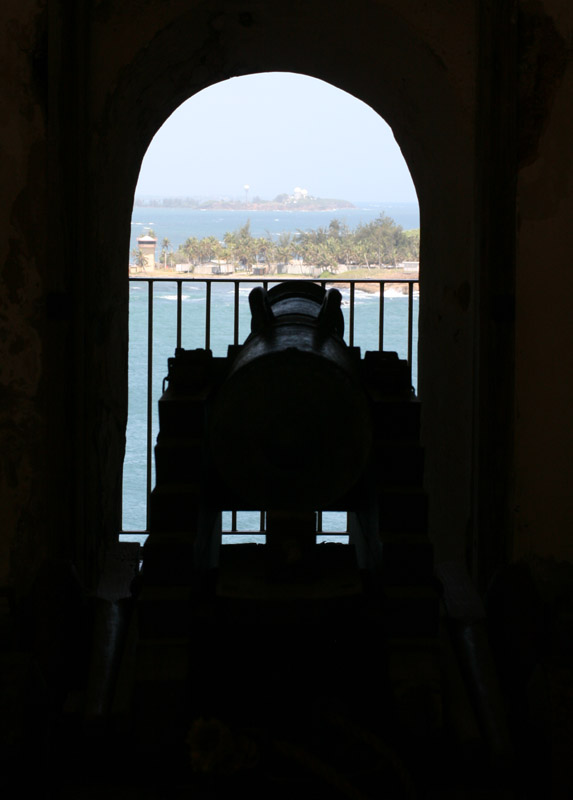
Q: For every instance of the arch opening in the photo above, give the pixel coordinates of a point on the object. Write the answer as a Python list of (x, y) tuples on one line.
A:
[(260, 183)]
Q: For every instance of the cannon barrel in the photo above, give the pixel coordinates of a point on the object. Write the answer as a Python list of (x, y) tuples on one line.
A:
[(289, 427)]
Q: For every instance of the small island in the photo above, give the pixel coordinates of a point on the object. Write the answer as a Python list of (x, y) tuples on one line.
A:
[(299, 200)]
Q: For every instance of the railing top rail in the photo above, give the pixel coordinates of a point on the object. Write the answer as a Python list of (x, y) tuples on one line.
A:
[(265, 279)]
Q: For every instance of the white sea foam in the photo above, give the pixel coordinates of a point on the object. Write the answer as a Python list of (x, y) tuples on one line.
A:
[(393, 294)]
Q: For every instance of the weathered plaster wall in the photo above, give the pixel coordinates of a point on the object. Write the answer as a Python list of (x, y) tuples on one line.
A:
[(544, 325), (22, 242)]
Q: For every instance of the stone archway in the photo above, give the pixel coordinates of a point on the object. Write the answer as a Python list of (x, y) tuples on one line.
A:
[(375, 55)]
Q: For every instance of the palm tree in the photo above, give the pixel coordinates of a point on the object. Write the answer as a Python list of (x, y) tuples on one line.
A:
[(363, 254), (165, 245), (310, 253), (266, 249), (139, 258), (284, 247), (211, 248), (240, 245), (245, 245), (230, 247), (190, 248)]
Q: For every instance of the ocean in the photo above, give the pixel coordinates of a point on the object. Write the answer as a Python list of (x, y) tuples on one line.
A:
[(173, 224)]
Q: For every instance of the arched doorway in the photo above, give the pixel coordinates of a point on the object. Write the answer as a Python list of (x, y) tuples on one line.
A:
[(388, 65)]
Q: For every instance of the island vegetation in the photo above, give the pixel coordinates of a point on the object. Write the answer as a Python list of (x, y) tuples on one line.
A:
[(333, 248)]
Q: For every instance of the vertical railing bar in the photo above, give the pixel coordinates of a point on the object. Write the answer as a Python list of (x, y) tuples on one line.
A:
[(410, 322), (262, 522), (207, 315), (351, 316), (234, 520), (236, 319), (381, 318), (149, 398), (179, 299), (319, 521)]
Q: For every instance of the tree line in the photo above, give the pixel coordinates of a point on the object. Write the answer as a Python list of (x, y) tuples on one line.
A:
[(379, 243)]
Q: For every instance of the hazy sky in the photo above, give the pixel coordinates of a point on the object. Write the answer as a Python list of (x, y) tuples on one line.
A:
[(275, 131)]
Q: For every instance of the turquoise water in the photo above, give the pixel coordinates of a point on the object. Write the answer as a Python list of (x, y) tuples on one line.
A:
[(193, 333)]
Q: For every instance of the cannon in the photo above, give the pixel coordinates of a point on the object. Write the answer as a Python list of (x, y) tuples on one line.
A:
[(290, 426), (291, 422)]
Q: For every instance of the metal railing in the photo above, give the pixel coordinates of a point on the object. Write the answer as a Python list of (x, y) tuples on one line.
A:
[(237, 283)]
